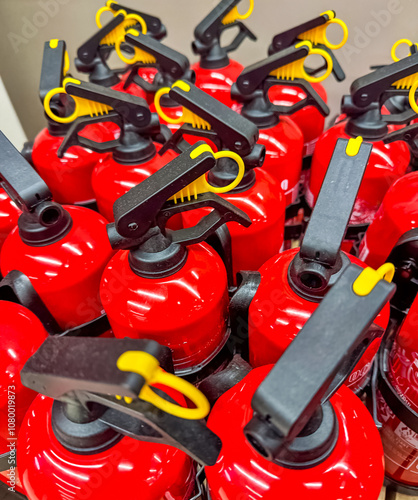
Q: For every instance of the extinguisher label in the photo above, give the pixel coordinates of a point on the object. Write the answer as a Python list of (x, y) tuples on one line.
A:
[(407, 434)]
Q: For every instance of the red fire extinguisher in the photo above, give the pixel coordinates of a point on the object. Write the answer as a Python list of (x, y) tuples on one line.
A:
[(62, 249), (175, 287), (168, 64), (69, 177), (118, 425), (295, 281), (9, 214), (258, 194), (291, 430), (93, 54), (281, 136), (310, 121), (133, 155), (388, 162), (397, 213), (216, 72)]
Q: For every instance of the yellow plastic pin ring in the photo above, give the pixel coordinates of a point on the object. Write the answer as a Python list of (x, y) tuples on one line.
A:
[(249, 11), (120, 53), (330, 65), (182, 386), (161, 113), (139, 20), (99, 15), (344, 27), (412, 99), (49, 112), (398, 44), (241, 171)]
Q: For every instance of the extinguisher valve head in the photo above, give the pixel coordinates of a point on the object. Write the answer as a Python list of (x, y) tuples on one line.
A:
[(208, 33), (287, 403), (314, 269), (314, 31), (42, 221)]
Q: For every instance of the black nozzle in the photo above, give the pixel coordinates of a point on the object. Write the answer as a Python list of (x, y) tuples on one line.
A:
[(320, 257)]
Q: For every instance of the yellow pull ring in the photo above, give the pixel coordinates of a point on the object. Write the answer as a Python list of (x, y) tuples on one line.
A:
[(234, 14), (398, 44), (330, 66), (50, 113), (344, 27), (148, 367), (161, 113), (412, 99)]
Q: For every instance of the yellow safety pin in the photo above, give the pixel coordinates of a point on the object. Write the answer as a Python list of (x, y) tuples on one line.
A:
[(139, 54), (397, 44), (147, 366), (369, 278), (318, 35), (296, 69), (233, 15), (83, 107)]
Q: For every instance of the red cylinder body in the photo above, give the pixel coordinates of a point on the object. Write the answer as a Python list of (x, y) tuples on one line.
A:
[(397, 215), (400, 443), (67, 273), (69, 178), (387, 163), (186, 311), (9, 214), (354, 469), (308, 119), (218, 82), (265, 205), (284, 153), (147, 73), (111, 179), (21, 333), (129, 469), (277, 314)]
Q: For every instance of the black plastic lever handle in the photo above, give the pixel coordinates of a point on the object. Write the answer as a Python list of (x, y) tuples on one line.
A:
[(155, 27), (207, 30), (20, 181), (53, 64), (337, 330), (332, 212)]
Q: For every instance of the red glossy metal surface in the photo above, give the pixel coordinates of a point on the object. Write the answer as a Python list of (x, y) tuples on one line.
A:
[(388, 162), (110, 179), (354, 470), (66, 274), (186, 311), (309, 119), (284, 152), (218, 82), (9, 214), (400, 443), (265, 205), (397, 214), (130, 469), (69, 178), (277, 314)]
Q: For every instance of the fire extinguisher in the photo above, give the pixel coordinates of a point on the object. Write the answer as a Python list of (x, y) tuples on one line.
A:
[(69, 177), (175, 286), (310, 121), (62, 249), (115, 421), (388, 162), (281, 136), (168, 64), (216, 72), (398, 212), (93, 54), (133, 155), (291, 430), (9, 214), (296, 281), (258, 194)]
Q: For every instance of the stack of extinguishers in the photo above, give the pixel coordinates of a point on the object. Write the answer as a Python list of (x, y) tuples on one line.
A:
[(204, 294)]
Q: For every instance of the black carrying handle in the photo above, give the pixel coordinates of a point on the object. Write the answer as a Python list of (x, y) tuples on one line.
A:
[(289, 37), (169, 61), (210, 29), (233, 131), (137, 211), (20, 181), (155, 28), (309, 372), (376, 86), (53, 65), (85, 371), (320, 248), (257, 78)]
